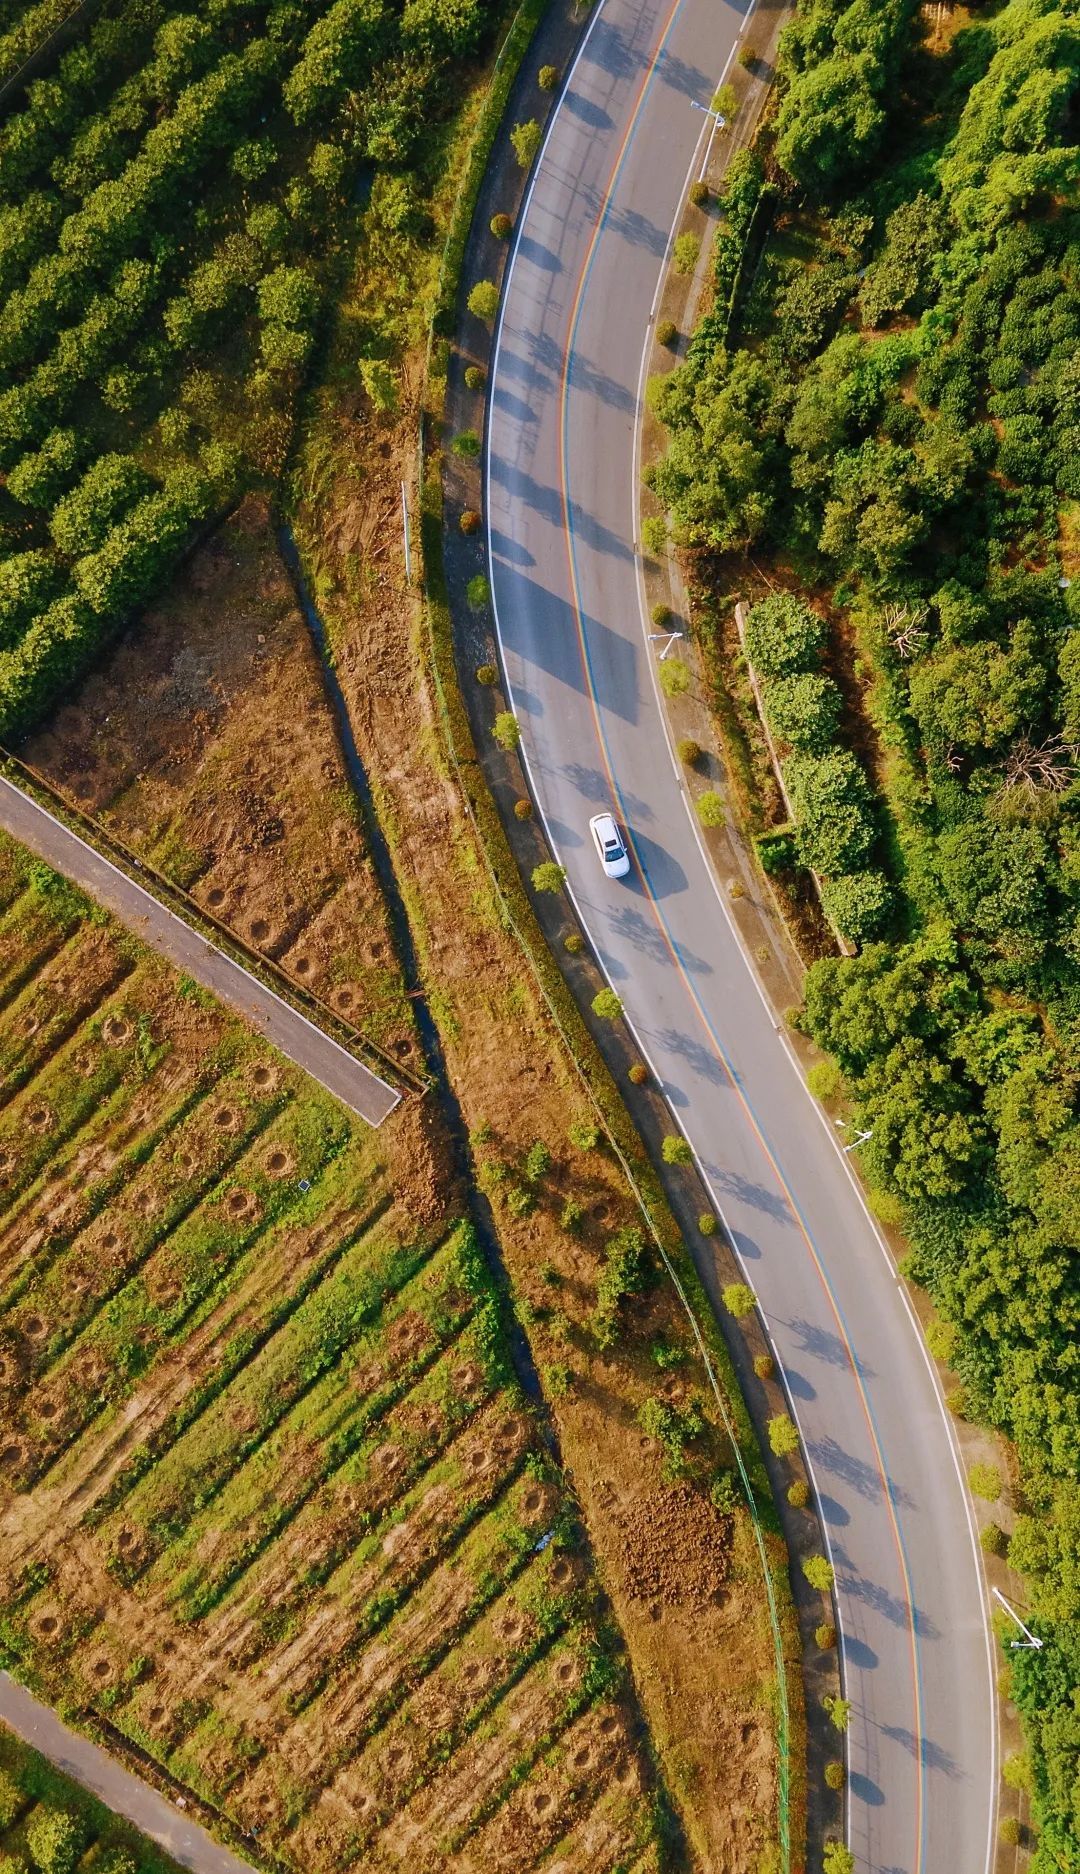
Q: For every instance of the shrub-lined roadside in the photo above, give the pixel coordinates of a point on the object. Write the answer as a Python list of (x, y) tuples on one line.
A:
[(899, 406)]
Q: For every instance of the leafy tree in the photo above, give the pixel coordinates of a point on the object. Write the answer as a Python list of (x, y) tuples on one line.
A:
[(55, 1838), (784, 637), (996, 879), (717, 477), (831, 802), (977, 696), (81, 521), (804, 711), (859, 903)]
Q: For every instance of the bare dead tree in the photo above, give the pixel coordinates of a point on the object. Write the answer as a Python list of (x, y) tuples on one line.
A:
[(1042, 768), (905, 628)]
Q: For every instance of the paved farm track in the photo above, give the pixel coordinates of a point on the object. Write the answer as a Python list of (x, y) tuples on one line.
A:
[(287, 1030), (561, 506), (106, 1779)]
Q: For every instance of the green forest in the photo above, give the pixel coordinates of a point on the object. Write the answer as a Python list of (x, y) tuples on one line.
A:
[(883, 409), (172, 187)]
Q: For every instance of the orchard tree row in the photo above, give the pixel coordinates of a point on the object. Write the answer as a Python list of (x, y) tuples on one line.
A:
[(896, 426), (172, 193)]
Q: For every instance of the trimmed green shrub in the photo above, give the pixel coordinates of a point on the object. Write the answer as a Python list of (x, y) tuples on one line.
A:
[(803, 710), (666, 332), (547, 77), (835, 1777), (478, 593), (607, 1005), (475, 377), (825, 1636), (523, 809), (483, 301), (675, 1150), (548, 876), (506, 730), (710, 808), (689, 751), (501, 227), (685, 252), (738, 1299), (819, 1573), (706, 1224), (859, 903), (674, 676), (985, 1481), (466, 445), (764, 1365), (798, 1494), (830, 798), (487, 674), (783, 1437), (526, 139)]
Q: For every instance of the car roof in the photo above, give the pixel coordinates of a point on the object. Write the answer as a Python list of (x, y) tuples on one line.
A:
[(604, 823)]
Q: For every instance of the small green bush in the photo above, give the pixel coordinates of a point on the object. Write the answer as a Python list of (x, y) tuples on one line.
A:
[(523, 809), (783, 636), (572, 1217), (660, 613), (685, 252), (548, 77), (506, 730), (607, 1005), (537, 1162), (706, 1224), (783, 1436), (726, 101), (699, 193), (467, 445), (798, 1494), (1016, 1771), (478, 593), (674, 676), (486, 674), (654, 534), (993, 1540), (825, 1636), (573, 943), (526, 139), (764, 1365), (548, 876), (819, 1573), (838, 1858), (483, 301), (838, 1711), (738, 1299), (1009, 1830), (501, 227), (475, 378), (824, 1080), (859, 903), (835, 1774), (470, 521), (675, 1150), (985, 1481), (747, 58), (556, 1380), (583, 1136), (638, 1074), (724, 1494), (666, 332), (710, 808)]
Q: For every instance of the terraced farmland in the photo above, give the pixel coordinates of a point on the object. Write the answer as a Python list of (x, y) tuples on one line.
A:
[(273, 1507)]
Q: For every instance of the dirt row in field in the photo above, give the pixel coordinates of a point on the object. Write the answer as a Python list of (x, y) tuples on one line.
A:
[(269, 1501), (204, 744)]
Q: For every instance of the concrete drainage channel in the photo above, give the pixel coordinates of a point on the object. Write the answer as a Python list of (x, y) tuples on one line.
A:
[(475, 1203)]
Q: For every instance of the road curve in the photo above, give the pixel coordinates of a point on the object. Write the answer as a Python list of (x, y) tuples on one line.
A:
[(316, 1052), (124, 1794), (561, 509)]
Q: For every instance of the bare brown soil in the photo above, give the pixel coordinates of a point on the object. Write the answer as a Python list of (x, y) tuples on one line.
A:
[(701, 1657), (205, 744)]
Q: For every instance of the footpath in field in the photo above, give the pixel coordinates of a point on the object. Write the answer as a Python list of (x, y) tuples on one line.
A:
[(273, 1505)]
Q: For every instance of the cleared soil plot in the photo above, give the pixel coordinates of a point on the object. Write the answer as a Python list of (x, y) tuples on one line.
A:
[(270, 1499), (48, 1821), (206, 745)]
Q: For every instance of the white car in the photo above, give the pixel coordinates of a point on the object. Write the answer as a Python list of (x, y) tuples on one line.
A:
[(610, 845)]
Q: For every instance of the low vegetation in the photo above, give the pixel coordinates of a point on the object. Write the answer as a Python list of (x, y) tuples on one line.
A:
[(276, 1511), (50, 1825), (886, 416)]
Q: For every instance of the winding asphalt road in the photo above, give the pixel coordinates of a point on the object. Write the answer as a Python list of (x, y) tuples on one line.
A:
[(561, 506)]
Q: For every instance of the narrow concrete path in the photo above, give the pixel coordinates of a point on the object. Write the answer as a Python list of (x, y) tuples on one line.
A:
[(106, 1779), (290, 1032)]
